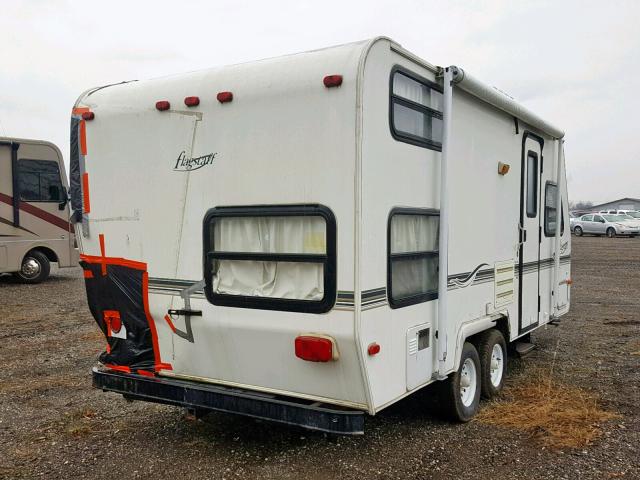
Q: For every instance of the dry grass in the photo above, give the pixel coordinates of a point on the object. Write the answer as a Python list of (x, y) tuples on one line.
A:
[(556, 415)]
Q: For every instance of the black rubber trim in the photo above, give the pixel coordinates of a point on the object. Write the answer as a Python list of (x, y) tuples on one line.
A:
[(264, 303), (275, 408)]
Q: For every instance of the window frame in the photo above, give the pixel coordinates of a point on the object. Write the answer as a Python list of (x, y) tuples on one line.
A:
[(421, 297), (532, 154), (328, 259), (21, 171), (548, 233), (393, 99)]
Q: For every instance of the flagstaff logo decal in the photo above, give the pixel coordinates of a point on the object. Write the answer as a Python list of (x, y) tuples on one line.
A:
[(186, 164)]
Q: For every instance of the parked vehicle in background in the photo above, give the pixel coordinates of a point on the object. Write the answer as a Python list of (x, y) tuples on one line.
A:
[(605, 224), (574, 216), (34, 212), (634, 214)]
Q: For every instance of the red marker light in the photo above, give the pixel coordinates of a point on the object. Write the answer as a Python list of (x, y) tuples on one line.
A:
[(224, 97), (192, 101), (88, 115), (163, 105), (332, 81), (373, 349), (314, 349)]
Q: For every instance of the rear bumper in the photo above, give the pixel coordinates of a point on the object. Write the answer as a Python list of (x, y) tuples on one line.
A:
[(203, 396)]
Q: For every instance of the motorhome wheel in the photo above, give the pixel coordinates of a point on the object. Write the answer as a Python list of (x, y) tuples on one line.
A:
[(35, 267)]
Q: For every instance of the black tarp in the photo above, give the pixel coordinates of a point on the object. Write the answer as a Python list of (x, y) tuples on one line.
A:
[(121, 290), (75, 177)]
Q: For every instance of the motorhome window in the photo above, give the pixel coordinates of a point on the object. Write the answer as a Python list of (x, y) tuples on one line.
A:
[(39, 181), (416, 110), (412, 270), (532, 184), (551, 211), (275, 258)]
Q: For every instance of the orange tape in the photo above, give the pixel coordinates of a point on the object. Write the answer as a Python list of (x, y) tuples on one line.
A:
[(171, 325), (118, 368), (83, 137), (145, 373), (85, 192), (87, 274), (79, 110), (102, 253)]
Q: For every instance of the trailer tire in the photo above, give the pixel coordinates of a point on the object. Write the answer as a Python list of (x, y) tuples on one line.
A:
[(611, 232), (35, 267), (460, 403), (577, 231), (492, 349)]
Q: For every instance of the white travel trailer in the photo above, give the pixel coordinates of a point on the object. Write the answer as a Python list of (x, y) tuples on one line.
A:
[(310, 238), (34, 213)]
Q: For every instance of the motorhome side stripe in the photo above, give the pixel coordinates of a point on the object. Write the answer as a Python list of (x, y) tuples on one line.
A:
[(39, 213)]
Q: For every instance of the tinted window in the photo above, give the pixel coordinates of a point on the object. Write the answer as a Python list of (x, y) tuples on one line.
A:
[(551, 211), (532, 184), (39, 181), (587, 218)]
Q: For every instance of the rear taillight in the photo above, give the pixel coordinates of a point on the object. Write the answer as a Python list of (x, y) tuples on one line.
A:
[(88, 115), (315, 349)]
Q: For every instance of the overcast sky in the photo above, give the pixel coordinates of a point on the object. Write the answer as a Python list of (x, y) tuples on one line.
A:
[(576, 63)]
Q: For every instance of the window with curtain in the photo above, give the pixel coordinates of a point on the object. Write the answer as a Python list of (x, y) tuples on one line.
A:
[(412, 271), (416, 110), (551, 211), (278, 258)]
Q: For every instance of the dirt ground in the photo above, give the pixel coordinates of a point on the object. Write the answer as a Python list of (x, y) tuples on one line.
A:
[(53, 424)]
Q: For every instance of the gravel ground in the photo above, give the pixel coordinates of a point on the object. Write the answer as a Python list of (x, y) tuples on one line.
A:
[(54, 425)]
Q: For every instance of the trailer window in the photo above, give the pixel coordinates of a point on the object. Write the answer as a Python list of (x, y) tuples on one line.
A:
[(415, 110), (532, 184), (412, 270), (551, 211), (271, 257), (39, 181)]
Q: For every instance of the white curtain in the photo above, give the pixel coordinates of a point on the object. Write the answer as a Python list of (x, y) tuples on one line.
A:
[(414, 233), (411, 121), (293, 280)]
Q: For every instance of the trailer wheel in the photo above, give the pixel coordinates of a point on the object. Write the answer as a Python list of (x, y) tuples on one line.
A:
[(492, 349), (577, 231), (611, 232), (35, 267), (460, 392)]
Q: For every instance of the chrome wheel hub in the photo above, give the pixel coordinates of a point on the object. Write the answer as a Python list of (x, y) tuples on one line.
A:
[(30, 268)]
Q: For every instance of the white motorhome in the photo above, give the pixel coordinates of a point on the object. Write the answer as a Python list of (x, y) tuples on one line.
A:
[(310, 238), (34, 224)]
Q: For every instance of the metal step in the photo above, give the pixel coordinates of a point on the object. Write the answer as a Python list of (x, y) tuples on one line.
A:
[(523, 348)]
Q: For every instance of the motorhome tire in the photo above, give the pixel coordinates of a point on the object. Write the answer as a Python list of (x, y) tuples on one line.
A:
[(35, 267), (492, 350), (577, 231), (460, 392), (611, 232)]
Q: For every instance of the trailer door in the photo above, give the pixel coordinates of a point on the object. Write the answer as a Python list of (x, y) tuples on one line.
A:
[(529, 252)]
